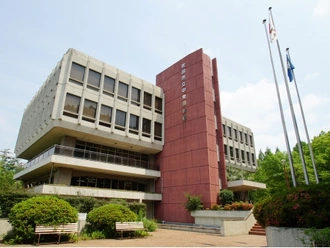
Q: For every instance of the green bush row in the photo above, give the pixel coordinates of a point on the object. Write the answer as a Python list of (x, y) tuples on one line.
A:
[(302, 207), (52, 211), (83, 204)]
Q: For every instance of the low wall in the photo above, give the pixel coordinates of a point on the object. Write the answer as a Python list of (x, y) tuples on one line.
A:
[(286, 237), (230, 222), (238, 227)]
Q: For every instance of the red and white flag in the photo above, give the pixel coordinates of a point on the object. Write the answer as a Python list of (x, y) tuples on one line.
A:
[(272, 30)]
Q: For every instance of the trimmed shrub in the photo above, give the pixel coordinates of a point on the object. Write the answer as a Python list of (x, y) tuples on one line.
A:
[(84, 204), (194, 202), (104, 218), (238, 206), (118, 201), (216, 207), (43, 210), (150, 225), (226, 196), (303, 207)]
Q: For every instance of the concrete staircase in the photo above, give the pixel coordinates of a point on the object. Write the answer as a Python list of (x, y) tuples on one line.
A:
[(257, 230)]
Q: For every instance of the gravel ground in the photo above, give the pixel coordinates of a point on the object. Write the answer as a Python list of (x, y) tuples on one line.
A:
[(169, 238)]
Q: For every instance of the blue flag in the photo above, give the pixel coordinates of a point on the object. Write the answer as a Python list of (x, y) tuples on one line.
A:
[(290, 68)]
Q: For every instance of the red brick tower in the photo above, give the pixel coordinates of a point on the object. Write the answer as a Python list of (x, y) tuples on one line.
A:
[(192, 160)]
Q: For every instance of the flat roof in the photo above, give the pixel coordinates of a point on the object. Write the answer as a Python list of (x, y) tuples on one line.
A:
[(245, 185)]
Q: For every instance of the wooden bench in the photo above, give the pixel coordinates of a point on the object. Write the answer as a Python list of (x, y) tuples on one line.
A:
[(128, 226), (71, 228)]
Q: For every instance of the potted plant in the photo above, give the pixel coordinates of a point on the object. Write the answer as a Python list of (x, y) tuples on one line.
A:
[(226, 217)]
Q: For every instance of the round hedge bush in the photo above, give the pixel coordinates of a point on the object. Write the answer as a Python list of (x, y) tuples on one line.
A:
[(43, 210), (303, 207), (104, 218)]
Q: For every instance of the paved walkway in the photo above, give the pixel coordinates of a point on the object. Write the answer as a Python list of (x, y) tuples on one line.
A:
[(170, 238)]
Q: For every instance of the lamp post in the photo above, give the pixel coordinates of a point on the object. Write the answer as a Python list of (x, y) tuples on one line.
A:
[(285, 174)]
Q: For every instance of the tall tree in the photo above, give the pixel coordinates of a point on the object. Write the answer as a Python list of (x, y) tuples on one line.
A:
[(9, 165), (321, 148)]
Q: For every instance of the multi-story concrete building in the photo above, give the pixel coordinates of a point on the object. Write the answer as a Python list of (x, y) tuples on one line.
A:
[(95, 130)]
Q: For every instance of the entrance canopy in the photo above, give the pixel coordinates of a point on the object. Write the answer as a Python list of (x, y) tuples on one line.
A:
[(245, 185)]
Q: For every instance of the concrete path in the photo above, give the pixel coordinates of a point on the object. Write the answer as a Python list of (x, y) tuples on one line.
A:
[(170, 238)]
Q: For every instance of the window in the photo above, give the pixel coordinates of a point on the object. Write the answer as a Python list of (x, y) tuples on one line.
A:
[(114, 184), (237, 154), (120, 120), (242, 156), (241, 136), (147, 100), (77, 73), (93, 81), (253, 160), (246, 139), (122, 91), (229, 132), (135, 97), (248, 157), (105, 116), (71, 106), (226, 152), (158, 131), (89, 111), (251, 140), (235, 134), (231, 151), (224, 129), (158, 105), (134, 124), (109, 86), (146, 124)]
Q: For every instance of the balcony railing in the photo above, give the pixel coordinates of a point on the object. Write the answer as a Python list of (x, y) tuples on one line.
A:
[(91, 155)]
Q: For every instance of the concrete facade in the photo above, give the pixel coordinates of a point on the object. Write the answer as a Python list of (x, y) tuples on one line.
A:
[(95, 130), (238, 145)]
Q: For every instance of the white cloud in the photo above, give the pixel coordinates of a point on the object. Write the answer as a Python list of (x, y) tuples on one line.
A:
[(311, 76), (256, 106), (322, 8)]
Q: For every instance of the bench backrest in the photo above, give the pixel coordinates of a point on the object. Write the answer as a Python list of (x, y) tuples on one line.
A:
[(71, 227), (129, 225)]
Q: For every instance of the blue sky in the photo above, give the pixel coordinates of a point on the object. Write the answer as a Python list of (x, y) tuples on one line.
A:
[(144, 37)]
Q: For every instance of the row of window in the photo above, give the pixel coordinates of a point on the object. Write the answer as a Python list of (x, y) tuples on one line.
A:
[(72, 106), (107, 183), (232, 133), (77, 75), (239, 156), (91, 147)]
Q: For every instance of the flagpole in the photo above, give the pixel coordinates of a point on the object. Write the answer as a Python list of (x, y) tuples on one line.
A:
[(291, 106), (281, 111), (304, 120)]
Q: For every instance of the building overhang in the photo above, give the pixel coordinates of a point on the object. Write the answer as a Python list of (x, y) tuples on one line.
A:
[(245, 185), (48, 163), (95, 192)]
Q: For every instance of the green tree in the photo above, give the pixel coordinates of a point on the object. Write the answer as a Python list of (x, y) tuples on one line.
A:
[(9, 165), (321, 149), (274, 169)]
